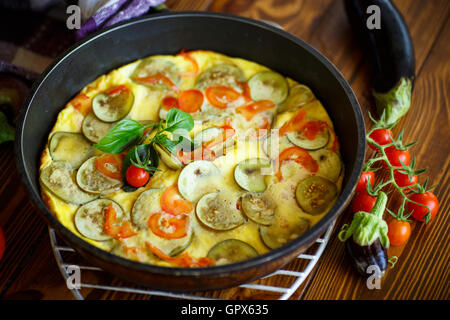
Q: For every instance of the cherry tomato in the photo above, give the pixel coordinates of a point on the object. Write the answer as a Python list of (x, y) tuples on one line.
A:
[(398, 232), (137, 177), (221, 96), (362, 182), (381, 136), (363, 202), (190, 100), (395, 156), (2, 243), (403, 180), (419, 212)]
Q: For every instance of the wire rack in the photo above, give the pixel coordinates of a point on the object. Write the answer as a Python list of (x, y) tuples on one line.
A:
[(281, 284)]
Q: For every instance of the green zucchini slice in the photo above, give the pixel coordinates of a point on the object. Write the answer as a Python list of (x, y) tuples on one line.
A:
[(198, 178), (259, 208), (314, 194), (330, 164), (282, 232), (59, 178), (268, 85), (90, 218), (71, 147), (231, 250), (298, 96), (91, 180), (249, 175), (299, 139), (95, 129), (156, 66), (224, 74), (169, 159), (218, 212), (111, 107)]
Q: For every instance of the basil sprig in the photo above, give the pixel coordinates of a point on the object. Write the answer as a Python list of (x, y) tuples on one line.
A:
[(128, 133)]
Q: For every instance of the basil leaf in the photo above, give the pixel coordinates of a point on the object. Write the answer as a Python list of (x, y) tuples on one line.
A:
[(178, 120), (146, 153), (123, 135), (165, 141)]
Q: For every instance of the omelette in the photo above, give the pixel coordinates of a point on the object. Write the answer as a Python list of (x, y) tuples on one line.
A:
[(191, 160)]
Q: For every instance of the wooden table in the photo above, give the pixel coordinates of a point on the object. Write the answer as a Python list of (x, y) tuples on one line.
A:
[(28, 269)]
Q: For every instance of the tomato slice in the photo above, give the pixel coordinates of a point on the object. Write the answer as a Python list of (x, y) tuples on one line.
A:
[(117, 90), (168, 226), (299, 155), (227, 133), (221, 96), (197, 154), (158, 79), (312, 128), (110, 165), (195, 68), (169, 103), (246, 91), (295, 124), (190, 100), (123, 231), (183, 260), (252, 109), (82, 103), (173, 203)]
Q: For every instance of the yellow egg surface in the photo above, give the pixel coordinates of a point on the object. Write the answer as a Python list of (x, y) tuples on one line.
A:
[(268, 169)]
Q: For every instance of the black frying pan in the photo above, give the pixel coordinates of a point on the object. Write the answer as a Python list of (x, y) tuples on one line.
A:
[(167, 34)]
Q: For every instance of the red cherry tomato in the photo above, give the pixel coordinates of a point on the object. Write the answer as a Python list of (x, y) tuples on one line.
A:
[(363, 202), (137, 177), (2, 243), (398, 232), (403, 180), (381, 136), (362, 182), (190, 100), (395, 156), (419, 212)]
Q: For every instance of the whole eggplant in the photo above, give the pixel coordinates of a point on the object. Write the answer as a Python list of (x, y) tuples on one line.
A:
[(392, 55), (366, 239)]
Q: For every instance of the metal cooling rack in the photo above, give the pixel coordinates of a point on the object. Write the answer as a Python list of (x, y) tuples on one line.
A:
[(293, 274)]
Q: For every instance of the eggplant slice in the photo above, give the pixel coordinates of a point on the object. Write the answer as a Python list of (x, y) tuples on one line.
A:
[(281, 232), (198, 178), (95, 129), (112, 108), (147, 203), (299, 95), (259, 208), (72, 147), (231, 250), (91, 180), (218, 212), (156, 66), (60, 178), (224, 74), (330, 164), (315, 193), (249, 174), (268, 85), (90, 218)]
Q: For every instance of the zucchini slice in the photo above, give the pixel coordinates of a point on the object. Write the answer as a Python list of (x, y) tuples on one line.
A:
[(259, 208), (71, 147), (91, 180), (231, 250), (268, 85), (298, 96), (169, 159), (95, 129), (198, 178), (59, 178), (147, 203), (281, 232), (111, 107), (218, 212), (249, 175), (224, 74), (298, 138), (90, 218), (314, 194), (156, 66), (330, 164)]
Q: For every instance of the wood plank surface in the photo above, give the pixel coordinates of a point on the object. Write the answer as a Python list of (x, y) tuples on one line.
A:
[(28, 269)]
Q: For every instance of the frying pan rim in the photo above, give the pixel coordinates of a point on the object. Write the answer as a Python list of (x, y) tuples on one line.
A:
[(223, 270)]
